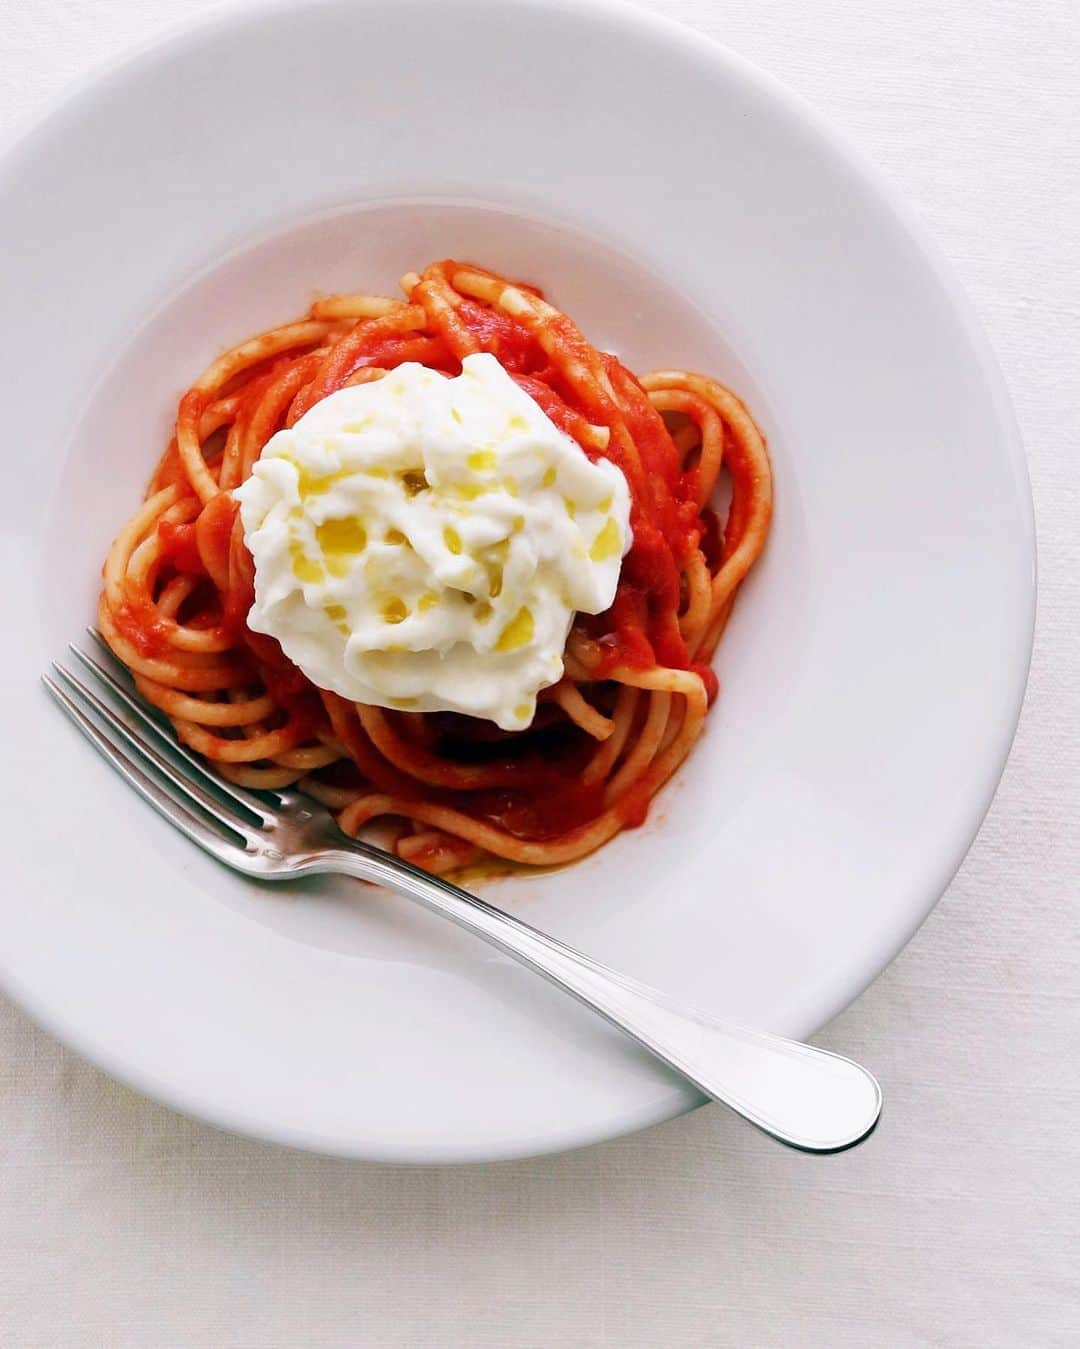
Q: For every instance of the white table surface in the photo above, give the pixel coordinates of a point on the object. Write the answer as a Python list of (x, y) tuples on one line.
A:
[(123, 1224)]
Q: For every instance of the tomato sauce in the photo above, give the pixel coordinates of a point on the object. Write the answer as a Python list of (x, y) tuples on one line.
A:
[(639, 631), (143, 627), (178, 548)]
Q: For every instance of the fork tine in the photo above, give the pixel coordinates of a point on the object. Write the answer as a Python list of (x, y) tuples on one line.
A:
[(191, 787), (248, 799), (173, 809)]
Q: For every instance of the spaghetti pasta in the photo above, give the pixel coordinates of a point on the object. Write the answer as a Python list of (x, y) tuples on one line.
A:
[(445, 790)]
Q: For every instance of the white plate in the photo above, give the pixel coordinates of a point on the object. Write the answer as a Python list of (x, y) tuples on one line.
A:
[(686, 210)]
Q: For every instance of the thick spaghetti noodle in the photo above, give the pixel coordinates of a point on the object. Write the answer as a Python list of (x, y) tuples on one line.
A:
[(444, 790)]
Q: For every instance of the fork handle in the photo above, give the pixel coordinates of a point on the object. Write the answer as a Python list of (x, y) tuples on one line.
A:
[(805, 1097)]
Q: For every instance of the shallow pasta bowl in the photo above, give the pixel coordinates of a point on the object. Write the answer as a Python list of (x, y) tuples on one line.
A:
[(686, 211)]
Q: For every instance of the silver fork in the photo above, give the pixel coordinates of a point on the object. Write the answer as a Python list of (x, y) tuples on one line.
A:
[(803, 1096)]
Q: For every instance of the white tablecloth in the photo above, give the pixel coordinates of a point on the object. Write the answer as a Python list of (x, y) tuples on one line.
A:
[(124, 1225)]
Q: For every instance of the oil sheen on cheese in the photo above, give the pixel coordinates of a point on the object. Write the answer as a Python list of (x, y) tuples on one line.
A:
[(423, 543)]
